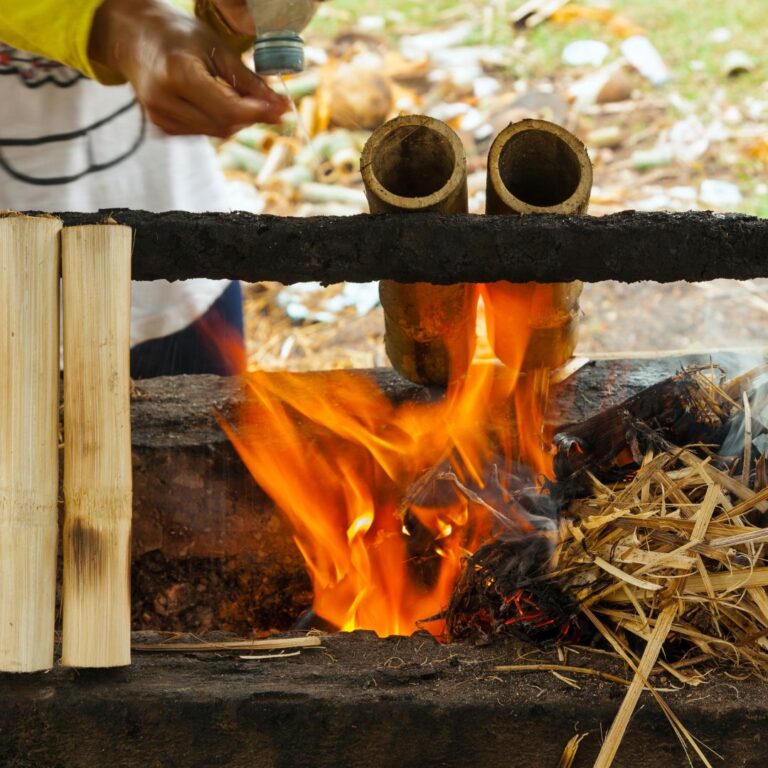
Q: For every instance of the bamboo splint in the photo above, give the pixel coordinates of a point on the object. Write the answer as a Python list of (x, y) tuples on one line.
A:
[(29, 404), (96, 272)]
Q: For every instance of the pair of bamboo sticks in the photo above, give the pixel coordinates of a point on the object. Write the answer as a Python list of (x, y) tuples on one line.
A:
[(95, 264), (416, 163)]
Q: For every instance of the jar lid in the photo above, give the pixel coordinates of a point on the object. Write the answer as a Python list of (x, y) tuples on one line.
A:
[(277, 53)]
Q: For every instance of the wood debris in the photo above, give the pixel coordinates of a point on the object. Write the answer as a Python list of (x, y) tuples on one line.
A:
[(269, 644)]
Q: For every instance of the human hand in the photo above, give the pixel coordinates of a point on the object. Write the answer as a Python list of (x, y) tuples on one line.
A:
[(187, 79)]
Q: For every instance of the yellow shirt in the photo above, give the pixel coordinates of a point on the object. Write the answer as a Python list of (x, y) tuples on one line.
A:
[(60, 30), (56, 29)]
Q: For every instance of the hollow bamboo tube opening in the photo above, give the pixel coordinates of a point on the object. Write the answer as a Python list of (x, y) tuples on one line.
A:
[(417, 163), (96, 273), (29, 438), (535, 166)]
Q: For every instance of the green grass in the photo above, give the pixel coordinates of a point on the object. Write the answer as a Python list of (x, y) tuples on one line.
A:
[(678, 28)]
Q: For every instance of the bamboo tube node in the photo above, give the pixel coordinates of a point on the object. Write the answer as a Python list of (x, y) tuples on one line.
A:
[(29, 410), (417, 164), (535, 166), (96, 274)]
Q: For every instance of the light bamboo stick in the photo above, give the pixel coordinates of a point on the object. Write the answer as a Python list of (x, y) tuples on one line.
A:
[(29, 409), (96, 273), (639, 683), (268, 644)]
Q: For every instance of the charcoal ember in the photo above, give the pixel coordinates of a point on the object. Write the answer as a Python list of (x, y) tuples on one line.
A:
[(500, 593), (507, 502), (496, 593), (684, 409)]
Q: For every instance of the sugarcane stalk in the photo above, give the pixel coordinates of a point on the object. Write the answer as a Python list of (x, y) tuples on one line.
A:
[(96, 273), (325, 145), (29, 409), (301, 86), (417, 164), (307, 114), (294, 176), (535, 166)]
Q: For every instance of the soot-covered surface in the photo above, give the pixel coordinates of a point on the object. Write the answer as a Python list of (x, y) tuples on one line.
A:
[(443, 248), (360, 700)]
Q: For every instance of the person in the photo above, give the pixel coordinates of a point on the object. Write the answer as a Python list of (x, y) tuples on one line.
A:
[(107, 105)]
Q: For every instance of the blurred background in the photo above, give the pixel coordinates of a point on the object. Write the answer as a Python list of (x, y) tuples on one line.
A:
[(671, 98)]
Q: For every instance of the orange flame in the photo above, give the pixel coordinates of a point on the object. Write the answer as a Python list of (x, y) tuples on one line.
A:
[(379, 494)]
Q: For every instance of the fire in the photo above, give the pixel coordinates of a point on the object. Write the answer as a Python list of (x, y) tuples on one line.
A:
[(387, 500)]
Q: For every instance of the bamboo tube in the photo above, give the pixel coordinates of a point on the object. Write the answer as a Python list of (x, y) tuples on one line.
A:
[(256, 137), (29, 412), (417, 164), (535, 166), (96, 273), (328, 173)]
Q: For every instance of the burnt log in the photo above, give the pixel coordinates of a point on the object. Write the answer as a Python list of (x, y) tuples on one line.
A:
[(443, 249), (681, 410)]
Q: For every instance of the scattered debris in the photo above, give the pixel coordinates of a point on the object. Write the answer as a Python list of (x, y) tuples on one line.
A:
[(535, 12), (570, 750), (321, 304), (271, 656), (609, 84), (615, 23), (640, 52), (721, 195), (585, 53), (720, 35), (737, 63)]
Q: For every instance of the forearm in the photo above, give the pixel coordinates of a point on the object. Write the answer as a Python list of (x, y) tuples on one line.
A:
[(58, 30)]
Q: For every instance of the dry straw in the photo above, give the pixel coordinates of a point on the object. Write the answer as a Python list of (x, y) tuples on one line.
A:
[(668, 565), (672, 560)]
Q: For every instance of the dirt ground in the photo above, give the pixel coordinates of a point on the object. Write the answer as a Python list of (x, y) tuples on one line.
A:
[(357, 700)]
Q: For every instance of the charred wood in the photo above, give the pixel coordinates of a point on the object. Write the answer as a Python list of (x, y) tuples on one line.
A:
[(681, 410), (443, 249)]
